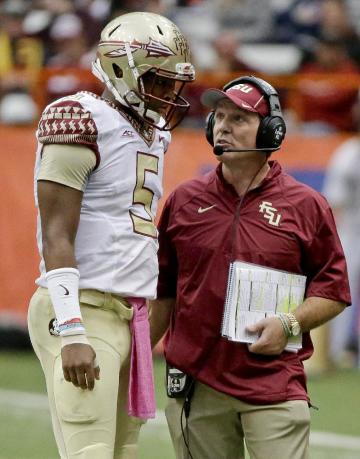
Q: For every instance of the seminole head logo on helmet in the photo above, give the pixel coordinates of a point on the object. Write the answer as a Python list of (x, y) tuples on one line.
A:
[(143, 59)]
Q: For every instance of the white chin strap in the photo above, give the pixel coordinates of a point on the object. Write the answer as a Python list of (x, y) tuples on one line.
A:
[(133, 101), (154, 116)]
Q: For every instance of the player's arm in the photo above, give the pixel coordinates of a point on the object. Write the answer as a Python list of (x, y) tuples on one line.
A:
[(62, 176), (312, 313), (162, 308), (59, 207), (160, 314)]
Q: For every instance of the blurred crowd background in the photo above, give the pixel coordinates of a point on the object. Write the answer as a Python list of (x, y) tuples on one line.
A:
[(308, 49)]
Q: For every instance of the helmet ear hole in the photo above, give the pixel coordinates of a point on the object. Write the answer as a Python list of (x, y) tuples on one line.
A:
[(117, 70)]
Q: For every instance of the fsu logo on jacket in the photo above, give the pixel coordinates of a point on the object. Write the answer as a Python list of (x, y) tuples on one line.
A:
[(270, 213)]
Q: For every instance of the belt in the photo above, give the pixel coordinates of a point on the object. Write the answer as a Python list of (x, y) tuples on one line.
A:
[(107, 300)]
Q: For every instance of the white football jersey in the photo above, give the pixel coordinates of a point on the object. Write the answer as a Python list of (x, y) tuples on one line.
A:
[(116, 243)]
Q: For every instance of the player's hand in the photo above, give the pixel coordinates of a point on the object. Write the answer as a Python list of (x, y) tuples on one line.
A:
[(272, 339), (79, 365)]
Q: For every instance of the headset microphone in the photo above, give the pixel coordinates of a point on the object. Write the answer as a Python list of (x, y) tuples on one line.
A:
[(219, 150)]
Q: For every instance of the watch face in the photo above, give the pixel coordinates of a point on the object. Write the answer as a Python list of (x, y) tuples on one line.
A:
[(295, 329)]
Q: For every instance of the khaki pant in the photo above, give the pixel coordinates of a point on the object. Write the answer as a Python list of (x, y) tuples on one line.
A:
[(89, 424), (218, 425)]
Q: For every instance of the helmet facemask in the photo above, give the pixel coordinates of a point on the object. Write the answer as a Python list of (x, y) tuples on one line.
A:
[(160, 96)]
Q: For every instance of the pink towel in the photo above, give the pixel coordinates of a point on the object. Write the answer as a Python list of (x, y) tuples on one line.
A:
[(141, 398)]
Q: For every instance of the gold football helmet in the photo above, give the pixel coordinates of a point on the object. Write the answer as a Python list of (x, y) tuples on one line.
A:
[(144, 60)]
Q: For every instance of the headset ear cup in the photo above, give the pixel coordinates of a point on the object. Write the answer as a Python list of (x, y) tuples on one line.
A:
[(271, 132), (209, 128)]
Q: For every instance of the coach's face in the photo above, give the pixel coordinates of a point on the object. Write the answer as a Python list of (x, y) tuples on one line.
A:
[(234, 127)]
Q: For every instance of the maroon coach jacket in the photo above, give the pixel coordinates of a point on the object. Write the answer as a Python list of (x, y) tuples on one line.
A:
[(282, 224)]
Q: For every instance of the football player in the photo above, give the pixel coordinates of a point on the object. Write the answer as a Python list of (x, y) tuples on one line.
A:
[(98, 179)]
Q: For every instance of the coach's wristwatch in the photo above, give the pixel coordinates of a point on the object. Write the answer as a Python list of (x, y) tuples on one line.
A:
[(294, 325)]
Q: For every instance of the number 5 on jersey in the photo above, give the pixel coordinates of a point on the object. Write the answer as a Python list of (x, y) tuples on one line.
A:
[(143, 195)]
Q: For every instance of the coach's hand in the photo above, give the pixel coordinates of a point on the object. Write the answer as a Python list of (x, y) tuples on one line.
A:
[(79, 365), (272, 339)]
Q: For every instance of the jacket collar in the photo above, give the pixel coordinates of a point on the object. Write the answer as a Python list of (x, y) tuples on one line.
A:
[(224, 186)]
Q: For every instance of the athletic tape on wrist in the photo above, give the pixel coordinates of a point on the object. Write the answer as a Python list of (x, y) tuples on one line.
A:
[(63, 286)]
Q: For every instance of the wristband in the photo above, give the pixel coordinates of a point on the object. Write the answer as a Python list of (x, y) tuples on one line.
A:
[(63, 286)]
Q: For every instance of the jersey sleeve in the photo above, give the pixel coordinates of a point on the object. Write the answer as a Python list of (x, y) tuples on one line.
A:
[(69, 165), (68, 122)]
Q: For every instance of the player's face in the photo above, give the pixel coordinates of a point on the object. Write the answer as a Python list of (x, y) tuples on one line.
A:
[(161, 89), (234, 127)]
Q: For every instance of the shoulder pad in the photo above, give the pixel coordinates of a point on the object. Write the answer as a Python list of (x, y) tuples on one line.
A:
[(67, 121)]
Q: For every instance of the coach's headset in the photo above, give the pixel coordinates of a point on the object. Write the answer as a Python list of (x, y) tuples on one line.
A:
[(272, 128)]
